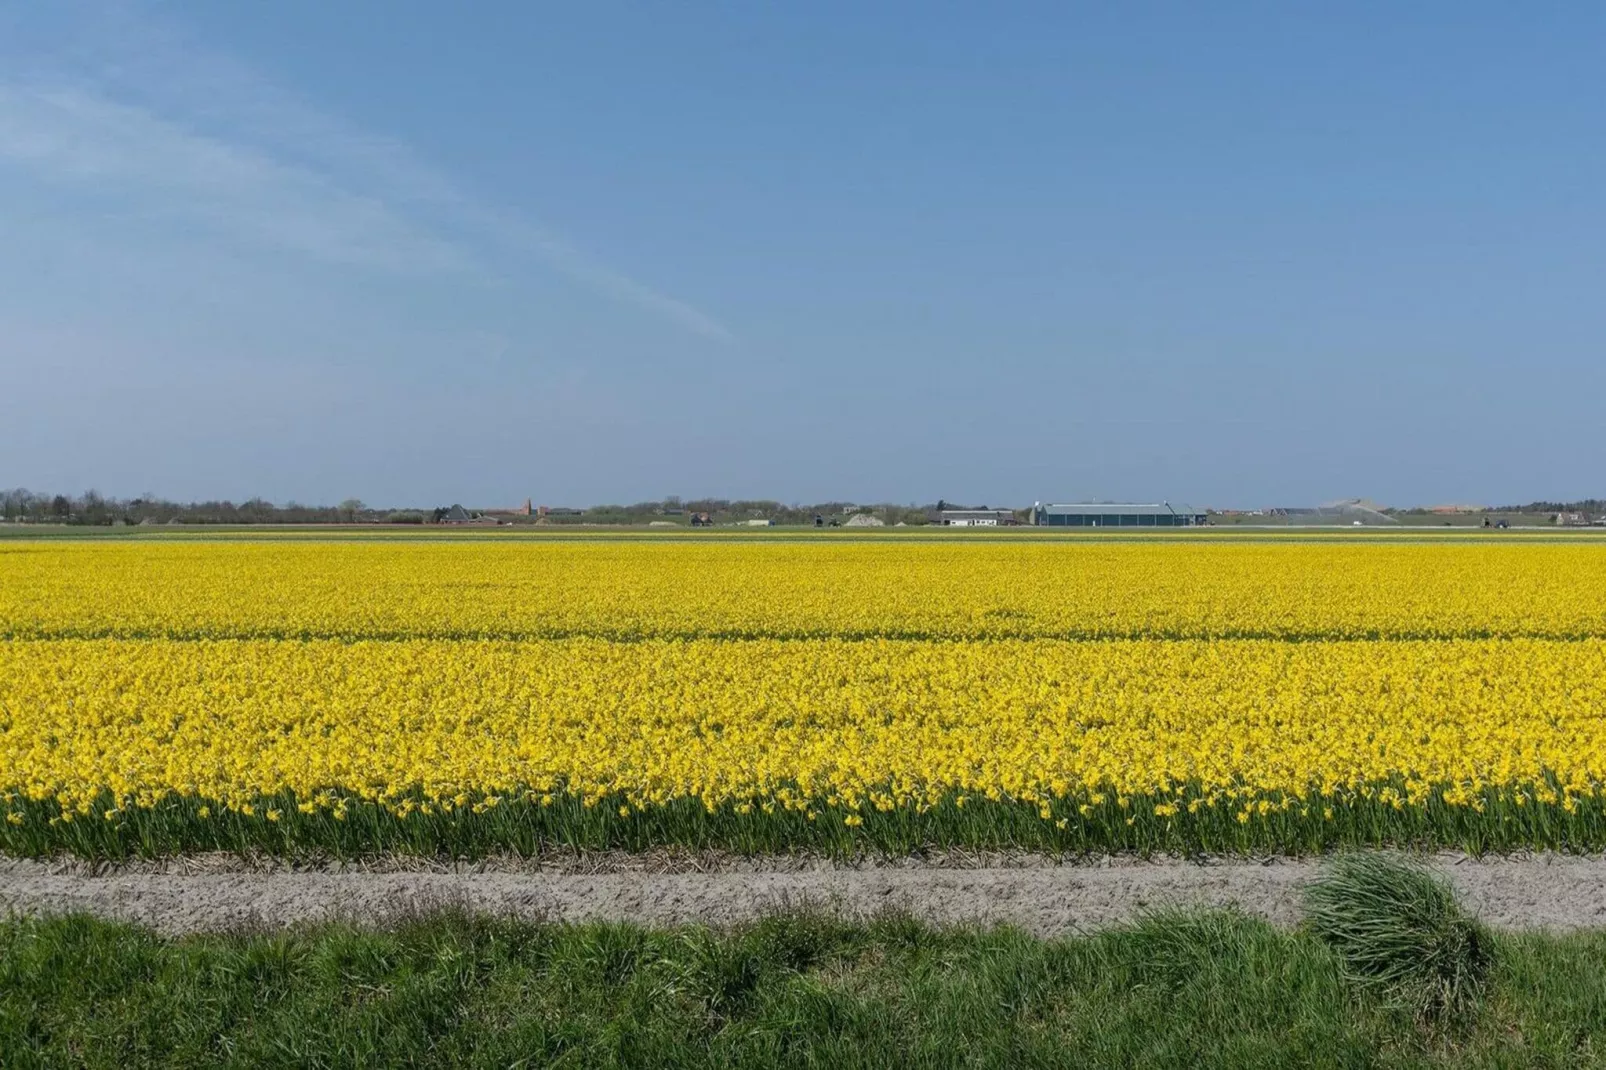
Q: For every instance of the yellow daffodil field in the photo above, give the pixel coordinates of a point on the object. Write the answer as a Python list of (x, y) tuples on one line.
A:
[(480, 696)]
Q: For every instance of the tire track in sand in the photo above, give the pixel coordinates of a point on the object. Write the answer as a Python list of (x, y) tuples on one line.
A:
[(1038, 896)]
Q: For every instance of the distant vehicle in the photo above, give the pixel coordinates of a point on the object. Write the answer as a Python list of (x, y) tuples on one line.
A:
[(819, 521), (835, 523)]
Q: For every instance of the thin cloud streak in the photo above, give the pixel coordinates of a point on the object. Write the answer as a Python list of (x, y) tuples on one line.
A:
[(137, 106), (600, 278), (70, 136)]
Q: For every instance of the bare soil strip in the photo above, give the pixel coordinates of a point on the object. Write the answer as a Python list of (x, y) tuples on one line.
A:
[(1041, 897)]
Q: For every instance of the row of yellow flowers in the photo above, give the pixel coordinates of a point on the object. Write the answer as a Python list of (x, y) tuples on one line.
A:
[(822, 726), (952, 590)]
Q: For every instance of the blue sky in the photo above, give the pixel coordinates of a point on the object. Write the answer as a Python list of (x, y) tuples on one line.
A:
[(1237, 255)]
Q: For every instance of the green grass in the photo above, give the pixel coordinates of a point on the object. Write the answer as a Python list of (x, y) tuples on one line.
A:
[(178, 825), (1182, 990)]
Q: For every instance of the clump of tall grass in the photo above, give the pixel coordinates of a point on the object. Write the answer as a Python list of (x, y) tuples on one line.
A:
[(1399, 931)]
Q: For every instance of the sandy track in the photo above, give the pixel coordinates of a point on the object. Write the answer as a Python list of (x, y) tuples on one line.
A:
[(1542, 891)]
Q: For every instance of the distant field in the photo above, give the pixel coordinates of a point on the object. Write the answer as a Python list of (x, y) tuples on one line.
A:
[(475, 696), (1226, 530)]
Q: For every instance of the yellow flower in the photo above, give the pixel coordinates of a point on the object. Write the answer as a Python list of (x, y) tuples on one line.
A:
[(760, 677)]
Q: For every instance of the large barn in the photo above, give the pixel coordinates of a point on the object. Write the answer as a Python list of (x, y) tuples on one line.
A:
[(1116, 515)]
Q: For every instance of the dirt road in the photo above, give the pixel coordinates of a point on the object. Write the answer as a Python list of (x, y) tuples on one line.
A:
[(1033, 894)]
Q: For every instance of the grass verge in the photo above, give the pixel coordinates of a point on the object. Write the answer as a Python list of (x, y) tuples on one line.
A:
[(1183, 990)]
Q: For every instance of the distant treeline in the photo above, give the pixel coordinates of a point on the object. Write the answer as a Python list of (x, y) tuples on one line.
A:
[(1588, 505), (92, 508)]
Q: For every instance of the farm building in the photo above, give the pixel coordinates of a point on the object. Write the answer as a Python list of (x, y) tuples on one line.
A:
[(1117, 515), (974, 518)]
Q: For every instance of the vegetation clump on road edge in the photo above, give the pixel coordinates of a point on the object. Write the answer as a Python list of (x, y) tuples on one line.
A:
[(1398, 931)]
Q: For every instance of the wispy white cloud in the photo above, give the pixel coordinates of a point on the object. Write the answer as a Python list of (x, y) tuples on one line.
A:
[(136, 107), (72, 136)]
